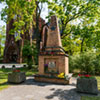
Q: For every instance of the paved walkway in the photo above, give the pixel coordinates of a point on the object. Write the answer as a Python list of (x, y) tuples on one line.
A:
[(31, 90)]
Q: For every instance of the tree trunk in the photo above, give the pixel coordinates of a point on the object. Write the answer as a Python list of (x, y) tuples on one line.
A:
[(38, 36), (82, 45), (0, 47)]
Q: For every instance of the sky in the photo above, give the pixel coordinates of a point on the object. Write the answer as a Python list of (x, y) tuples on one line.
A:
[(1, 22), (43, 14)]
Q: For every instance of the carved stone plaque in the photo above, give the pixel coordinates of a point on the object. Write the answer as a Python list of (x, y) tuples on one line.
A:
[(51, 65)]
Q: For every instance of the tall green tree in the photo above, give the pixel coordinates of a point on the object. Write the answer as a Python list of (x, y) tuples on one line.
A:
[(70, 10), (77, 19), (2, 39), (26, 15), (21, 12)]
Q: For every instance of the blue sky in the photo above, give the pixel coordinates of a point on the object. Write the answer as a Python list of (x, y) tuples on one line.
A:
[(43, 15), (1, 22)]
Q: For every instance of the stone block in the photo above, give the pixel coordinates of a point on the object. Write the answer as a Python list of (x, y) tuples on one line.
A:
[(86, 85), (55, 80), (16, 77)]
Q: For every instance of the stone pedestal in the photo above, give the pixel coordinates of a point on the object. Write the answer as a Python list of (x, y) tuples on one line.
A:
[(60, 61), (16, 77), (86, 85), (52, 58)]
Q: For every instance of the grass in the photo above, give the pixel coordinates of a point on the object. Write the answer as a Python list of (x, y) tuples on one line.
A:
[(98, 80), (4, 75), (90, 98)]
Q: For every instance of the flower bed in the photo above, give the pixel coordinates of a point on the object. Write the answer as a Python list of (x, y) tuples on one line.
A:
[(53, 79), (87, 84)]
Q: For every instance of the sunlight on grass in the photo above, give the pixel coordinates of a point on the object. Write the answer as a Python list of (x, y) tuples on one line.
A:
[(90, 98), (3, 81), (98, 80), (4, 75), (3, 84)]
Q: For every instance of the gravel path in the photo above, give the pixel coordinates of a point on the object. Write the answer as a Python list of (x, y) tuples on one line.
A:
[(31, 90)]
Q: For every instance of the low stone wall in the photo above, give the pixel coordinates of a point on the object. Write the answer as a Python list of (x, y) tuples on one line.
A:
[(52, 80)]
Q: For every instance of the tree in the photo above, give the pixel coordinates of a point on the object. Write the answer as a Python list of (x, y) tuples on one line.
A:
[(70, 10), (2, 39), (77, 22), (27, 54), (30, 54), (26, 17)]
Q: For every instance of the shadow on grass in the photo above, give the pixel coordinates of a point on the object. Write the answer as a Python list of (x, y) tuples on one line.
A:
[(4, 83), (5, 70), (3, 76)]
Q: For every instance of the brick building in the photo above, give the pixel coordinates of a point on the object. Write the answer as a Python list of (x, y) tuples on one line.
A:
[(13, 51)]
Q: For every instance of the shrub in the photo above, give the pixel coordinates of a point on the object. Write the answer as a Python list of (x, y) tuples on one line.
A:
[(84, 62), (28, 54), (97, 64)]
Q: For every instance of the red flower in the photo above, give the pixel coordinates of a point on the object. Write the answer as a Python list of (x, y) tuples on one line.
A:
[(87, 75), (16, 71), (46, 52), (80, 75), (52, 53)]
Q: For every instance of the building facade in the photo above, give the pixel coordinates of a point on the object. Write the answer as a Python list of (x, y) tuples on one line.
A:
[(13, 49)]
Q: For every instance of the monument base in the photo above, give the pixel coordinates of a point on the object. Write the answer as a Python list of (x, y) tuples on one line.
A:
[(50, 79)]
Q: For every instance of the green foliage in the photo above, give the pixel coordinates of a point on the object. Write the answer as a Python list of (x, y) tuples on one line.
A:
[(84, 62), (4, 75), (21, 12), (2, 40), (35, 55), (79, 22), (29, 54), (27, 49), (89, 98), (97, 65)]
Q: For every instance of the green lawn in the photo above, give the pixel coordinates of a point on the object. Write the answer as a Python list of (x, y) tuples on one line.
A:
[(90, 98), (4, 75), (98, 79)]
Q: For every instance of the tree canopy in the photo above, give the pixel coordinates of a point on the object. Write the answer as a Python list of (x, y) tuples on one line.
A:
[(79, 21)]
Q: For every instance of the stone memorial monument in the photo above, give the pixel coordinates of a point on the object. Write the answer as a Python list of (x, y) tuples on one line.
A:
[(52, 58)]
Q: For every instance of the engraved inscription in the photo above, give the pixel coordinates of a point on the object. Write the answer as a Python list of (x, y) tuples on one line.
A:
[(51, 65)]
